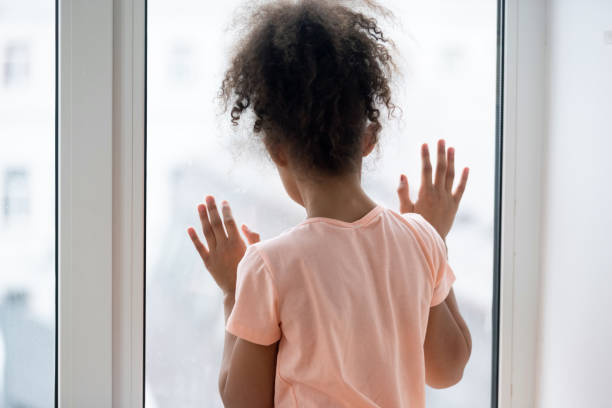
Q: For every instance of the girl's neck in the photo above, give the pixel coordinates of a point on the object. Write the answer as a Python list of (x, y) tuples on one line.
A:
[(340, 198)]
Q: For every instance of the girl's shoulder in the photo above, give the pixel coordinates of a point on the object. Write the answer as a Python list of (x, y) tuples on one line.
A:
[(287, 242), (418, 224)]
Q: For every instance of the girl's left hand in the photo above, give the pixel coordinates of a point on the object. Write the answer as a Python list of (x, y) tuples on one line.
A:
[(436, 202), (225, 245)]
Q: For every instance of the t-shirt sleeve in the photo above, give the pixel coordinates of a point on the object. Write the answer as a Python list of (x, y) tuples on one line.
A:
[(255, 315), (442, 274)]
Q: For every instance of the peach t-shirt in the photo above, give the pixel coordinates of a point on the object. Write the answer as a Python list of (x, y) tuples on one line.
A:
[(349, 303)]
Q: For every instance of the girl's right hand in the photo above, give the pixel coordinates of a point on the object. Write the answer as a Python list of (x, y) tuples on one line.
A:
[(225, 247), (437, 203)]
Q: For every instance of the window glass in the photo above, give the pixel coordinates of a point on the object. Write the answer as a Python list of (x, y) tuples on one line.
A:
[(447, 90), (27, 194)]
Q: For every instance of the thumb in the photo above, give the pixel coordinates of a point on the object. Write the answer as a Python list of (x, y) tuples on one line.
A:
[(252, 237), (403, 193)]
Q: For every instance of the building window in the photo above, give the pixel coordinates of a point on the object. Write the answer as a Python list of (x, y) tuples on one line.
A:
[(180, 67), (16, 64), (16, 193)]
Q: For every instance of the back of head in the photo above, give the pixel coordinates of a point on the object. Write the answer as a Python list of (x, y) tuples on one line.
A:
[(314, 73)]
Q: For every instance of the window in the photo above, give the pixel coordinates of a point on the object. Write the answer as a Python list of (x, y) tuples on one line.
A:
[(448, 60), (27, 191), (448, 90)]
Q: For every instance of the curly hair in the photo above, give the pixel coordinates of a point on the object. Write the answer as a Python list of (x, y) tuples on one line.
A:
[(314, 73)]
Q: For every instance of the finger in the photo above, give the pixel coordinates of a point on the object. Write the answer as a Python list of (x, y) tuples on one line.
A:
[(228, 221), (462, 183), (403, 192), (426, 169), (206, 227), (215, 219), (450, 169), (252, 237), (440, 177), (198, 244)]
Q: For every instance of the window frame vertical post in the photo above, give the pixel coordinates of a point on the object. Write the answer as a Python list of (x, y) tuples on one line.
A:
[(524, 133), (85, 113), (129, 169)]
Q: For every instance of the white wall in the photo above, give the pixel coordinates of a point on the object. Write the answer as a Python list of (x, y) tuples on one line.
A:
[(575, 338)]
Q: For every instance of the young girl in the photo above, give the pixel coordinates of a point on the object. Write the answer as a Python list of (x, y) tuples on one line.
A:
[(353, 307)]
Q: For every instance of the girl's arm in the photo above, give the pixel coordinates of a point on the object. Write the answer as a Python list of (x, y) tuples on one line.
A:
[(448, 343), (248, 370), (451, 302), (228, 345)]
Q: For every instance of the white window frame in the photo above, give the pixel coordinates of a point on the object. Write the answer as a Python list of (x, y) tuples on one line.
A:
[(85, 193), (102, 201), (129, 166), (524, 129)]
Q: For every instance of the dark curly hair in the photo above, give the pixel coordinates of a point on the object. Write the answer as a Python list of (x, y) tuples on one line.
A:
[(314, 73)]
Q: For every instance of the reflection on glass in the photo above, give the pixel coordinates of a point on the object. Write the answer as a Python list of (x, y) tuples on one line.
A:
[(27, 203), (447, 90)]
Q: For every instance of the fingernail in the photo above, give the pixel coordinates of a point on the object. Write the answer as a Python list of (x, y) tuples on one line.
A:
[(224, 203), (403, 179), (210, 200)]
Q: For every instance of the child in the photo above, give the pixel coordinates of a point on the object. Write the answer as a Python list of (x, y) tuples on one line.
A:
[(353, 307)]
